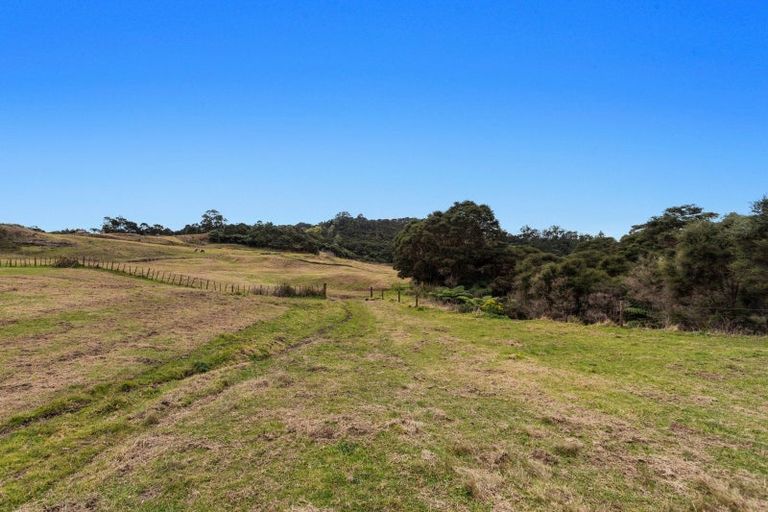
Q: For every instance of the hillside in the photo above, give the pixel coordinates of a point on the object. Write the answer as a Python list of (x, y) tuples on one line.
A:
[(193, 255), (351, 237), (121, 393)]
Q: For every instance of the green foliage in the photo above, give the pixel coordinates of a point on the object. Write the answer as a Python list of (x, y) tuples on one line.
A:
[(457, 295), (344, 235), (358, 237), (554, 239), (120, 224), (212, 219), (270, 236), (66, 262), (470, 300), (455, 247), (684, 267), (200, 367), (492, 306), (286, 290)]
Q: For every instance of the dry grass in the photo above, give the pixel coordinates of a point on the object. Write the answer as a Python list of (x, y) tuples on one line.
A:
[(70, 328), (366, 405), (226, 263)]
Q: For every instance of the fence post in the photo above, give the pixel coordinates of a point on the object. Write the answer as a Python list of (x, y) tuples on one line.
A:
[(417, 299), (621, 312), (325, 290), (382, 294), (398, 295), (371, 291)]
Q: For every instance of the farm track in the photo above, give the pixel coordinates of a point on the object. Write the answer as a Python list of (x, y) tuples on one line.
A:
[(93, 394), (103, 407)]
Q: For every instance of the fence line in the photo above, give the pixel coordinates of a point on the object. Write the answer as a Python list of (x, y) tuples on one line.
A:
[(168, 277), (619, 311), (399, 292)]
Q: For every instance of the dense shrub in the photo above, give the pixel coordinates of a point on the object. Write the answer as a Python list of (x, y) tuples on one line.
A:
[(66, 262), (686, 267)]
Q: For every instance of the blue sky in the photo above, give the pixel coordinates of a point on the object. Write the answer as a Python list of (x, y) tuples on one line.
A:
[(591, 115)]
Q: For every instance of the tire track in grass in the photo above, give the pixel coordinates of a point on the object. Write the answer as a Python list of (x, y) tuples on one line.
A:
[(54, 442)]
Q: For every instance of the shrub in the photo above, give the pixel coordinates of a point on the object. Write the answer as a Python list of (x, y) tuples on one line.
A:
[(66, 262), (492, 306)]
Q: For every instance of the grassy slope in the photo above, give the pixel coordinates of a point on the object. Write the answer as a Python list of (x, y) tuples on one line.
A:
[(75, 328), (227, 263), (365, 405)]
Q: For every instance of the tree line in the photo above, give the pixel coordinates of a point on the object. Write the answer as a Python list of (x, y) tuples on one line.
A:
[(685, 267), (210, 220), (344, 235)]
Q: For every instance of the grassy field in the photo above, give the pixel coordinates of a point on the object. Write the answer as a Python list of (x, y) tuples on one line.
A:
[(225, 263), (125, 394)]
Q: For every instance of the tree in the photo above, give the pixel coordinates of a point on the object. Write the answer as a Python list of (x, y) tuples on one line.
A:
[(451, 248), (120, 224), (553, 239), (660, 233), (212, 220)]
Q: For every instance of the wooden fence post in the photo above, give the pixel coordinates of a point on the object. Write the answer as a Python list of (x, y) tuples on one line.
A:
[(417, 299), (621, 312), (382, 294), (371, 291), (325, 290), (398, 295)]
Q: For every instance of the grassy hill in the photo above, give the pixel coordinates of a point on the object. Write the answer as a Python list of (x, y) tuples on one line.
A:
[(191, 254), (126, 394)]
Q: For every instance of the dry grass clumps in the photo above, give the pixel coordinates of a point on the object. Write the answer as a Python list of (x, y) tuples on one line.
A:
[(568, 447), (480, 484)]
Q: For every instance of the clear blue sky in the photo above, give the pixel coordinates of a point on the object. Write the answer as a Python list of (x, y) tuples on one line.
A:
[(591, 115)]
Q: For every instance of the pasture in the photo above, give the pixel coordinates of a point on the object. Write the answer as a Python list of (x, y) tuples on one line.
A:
[(125, 394)]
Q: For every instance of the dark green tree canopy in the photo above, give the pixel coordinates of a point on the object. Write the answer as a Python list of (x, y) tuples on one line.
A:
[(211, 220), (454, 247)]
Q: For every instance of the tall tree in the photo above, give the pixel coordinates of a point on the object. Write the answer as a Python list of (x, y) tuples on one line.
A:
[(452, 247), (212, 220)]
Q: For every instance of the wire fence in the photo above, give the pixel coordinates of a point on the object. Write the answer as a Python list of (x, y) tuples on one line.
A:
[(615, 310), (400, 294), (169, 277)]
